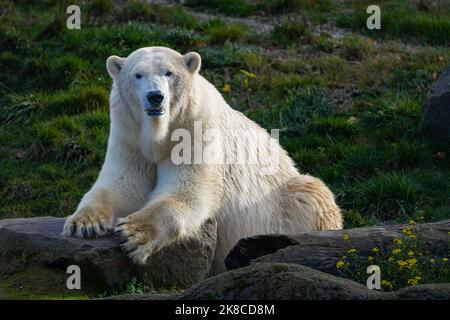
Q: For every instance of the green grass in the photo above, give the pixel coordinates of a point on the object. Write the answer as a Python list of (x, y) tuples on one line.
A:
[(348, 109), (219, 31), (40, 284), (404, 23), (354, 48), (269, 7), (291, 31)]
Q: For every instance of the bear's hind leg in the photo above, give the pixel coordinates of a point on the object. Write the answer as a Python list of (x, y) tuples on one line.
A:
[(309, 204)]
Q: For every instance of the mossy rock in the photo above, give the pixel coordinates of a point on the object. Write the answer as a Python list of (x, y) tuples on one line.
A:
[(34, 258), (281, 281)]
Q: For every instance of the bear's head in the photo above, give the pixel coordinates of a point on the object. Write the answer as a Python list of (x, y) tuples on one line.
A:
[(154, 83)]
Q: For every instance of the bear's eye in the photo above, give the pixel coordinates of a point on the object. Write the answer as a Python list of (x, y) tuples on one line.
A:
[(168, 73), (138, 75)]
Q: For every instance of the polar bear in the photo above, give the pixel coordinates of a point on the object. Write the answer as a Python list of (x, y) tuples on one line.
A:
[(152, 200)]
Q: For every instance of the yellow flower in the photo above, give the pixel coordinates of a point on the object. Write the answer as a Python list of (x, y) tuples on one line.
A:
[(226, 88), (345, 237), (391, 259), (445, 259), (387, 284), (407, 231), (396, 251), (411, 222), (340, 264), (398, 241), (353, 250), (375, 250), (414, 281), (369, 258), (410, 253), (411, 262), (402, 263)]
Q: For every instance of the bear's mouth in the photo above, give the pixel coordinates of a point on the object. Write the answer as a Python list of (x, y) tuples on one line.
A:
[(155, 112)]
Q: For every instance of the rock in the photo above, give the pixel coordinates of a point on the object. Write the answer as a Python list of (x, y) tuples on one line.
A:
[(33, 255), (278, 281), (270, 281), (430, 291), (321, 249), (283, 281), (34, 258), (256, 246), (144, 296), (436, 109)]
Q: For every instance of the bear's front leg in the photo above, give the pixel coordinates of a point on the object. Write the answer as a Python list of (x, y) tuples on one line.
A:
[(93, 218), (149, 229), (121, 188), (181, 202)]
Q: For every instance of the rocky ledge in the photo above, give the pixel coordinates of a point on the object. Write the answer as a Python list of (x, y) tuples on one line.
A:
[(321, 250), (286, 281), (34, 258)]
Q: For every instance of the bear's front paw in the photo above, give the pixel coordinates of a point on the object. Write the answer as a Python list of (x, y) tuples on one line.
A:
[(138, 237), (88, 223)]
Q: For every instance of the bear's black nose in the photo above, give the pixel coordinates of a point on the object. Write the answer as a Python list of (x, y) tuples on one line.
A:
[(155, 97)]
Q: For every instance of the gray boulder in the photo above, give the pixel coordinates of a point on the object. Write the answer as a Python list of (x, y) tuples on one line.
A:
[(436, 109), (430, 291), (283, 281), (278, 281), (268, 281), (256, 246), (34, 258), (322, 249)]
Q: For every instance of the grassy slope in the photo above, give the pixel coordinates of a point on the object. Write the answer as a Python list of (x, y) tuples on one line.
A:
[(349, 108)]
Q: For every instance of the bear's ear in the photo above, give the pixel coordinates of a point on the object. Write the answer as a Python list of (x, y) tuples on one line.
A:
[(114, 65), (193, 61)]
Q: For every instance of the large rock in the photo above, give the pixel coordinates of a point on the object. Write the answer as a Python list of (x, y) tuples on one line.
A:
[(269, 281), (34, 258), (322, 249), (436, 109), (278, 281), (283, 281), (430, 291), (256, 246)]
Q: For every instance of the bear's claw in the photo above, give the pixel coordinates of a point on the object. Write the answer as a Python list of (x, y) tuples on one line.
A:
[(86, 223), (138, 251), (72, 228)]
